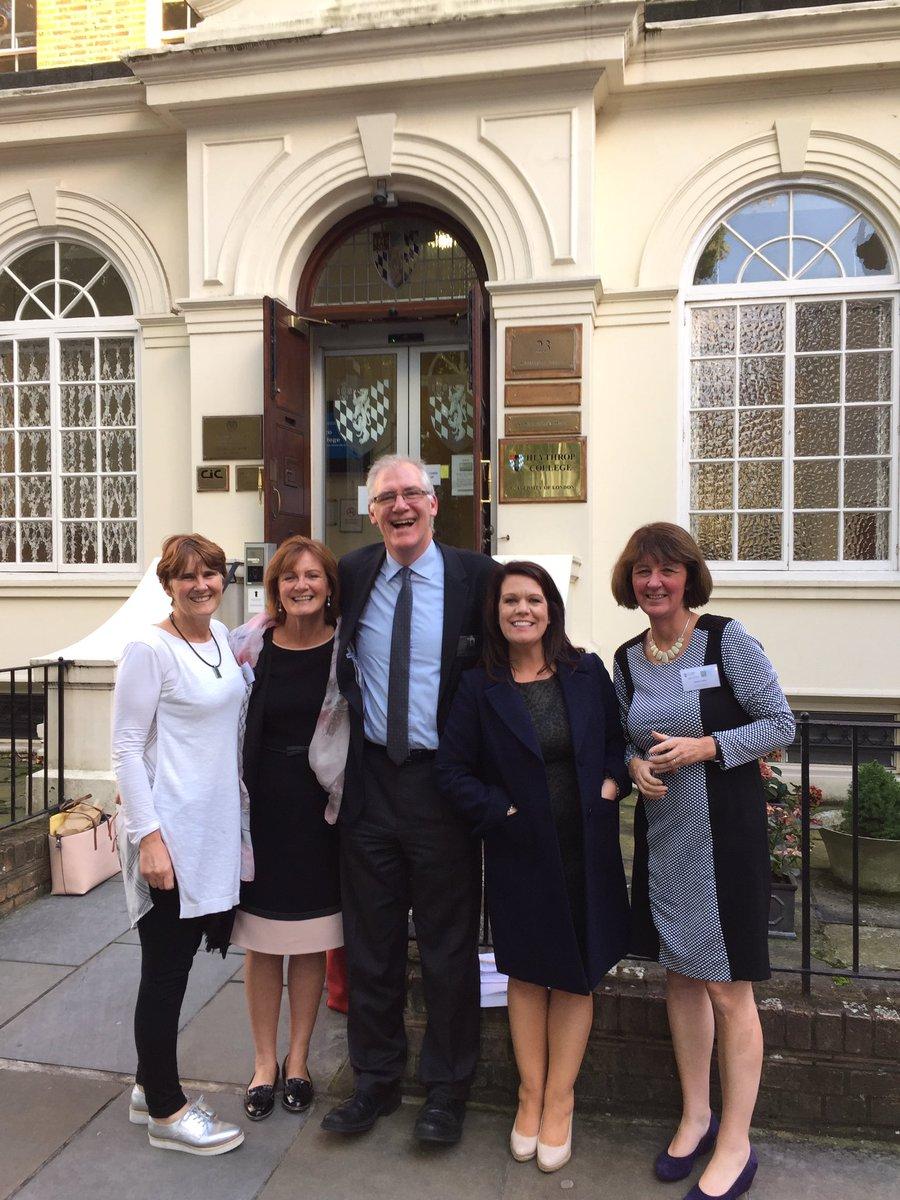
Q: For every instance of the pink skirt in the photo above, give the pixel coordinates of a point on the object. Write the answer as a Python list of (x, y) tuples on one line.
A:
[(287, 937)]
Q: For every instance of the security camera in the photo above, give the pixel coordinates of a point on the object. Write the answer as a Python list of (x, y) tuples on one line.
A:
[(382, 197)]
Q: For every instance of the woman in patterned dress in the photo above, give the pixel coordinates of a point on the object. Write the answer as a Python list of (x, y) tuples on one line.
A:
[(700, 704)]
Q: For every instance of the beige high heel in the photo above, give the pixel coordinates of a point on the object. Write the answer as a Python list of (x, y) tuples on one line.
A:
[(551, 1158), (522, 1148)]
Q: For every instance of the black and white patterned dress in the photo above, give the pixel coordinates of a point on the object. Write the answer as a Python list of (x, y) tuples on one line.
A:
[(701, 876)]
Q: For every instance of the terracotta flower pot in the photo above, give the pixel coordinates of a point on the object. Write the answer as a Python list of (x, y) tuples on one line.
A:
[(879, 861)]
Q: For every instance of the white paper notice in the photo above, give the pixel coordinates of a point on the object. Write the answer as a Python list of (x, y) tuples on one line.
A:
[(362, 500), (434, 474), (462, 480)]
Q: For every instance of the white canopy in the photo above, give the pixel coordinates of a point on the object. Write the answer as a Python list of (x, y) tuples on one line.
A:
[(146, 605)]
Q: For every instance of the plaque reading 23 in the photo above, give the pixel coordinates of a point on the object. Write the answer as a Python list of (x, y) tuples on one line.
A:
[(543, 351), (538, 471)]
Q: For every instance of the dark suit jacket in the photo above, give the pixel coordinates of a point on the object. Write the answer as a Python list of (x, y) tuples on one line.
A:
[(465, 579), (489, 758)]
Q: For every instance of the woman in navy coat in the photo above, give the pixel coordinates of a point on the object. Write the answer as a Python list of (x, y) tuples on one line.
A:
[(533, 758)]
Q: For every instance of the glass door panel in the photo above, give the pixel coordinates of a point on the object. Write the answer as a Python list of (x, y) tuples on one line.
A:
[(366, 414), (441, 406)]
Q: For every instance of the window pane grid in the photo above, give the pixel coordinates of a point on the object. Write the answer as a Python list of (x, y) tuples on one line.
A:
[(839, 373), (68, 481)]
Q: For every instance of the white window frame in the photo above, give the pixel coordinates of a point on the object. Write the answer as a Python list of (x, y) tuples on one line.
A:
[(55, 331), (693, 296), (19, 47)]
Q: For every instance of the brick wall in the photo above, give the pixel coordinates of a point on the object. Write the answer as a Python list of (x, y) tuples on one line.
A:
[(24, 864), (70, 32), (832, 1060)]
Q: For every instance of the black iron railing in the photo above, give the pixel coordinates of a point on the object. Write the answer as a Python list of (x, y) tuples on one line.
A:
[(862, 733), (861, 736), (28, 697)]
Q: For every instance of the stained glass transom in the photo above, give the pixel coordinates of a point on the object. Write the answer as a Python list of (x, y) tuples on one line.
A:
[(796, 234), (398, 260), (61, 280)]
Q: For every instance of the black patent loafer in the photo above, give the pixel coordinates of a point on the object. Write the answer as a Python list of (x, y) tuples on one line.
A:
[(259, 1101), (298, 1093), (361, 1111), (440, 1120)]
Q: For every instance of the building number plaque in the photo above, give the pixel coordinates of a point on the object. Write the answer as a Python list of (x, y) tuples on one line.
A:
[(543, 351)]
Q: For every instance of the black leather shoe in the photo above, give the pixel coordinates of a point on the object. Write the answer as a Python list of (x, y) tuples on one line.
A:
[(361, 1111), (440, 1120), (298, 1093), (260, 1100)]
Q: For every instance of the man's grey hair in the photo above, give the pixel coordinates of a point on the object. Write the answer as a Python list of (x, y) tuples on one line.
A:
[(387, 461)]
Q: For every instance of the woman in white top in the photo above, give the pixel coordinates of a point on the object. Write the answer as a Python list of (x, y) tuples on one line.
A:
[(178, 701)]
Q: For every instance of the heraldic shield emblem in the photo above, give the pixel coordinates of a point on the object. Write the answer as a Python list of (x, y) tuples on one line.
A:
[(451, 411), (395, 252), (362, 414)]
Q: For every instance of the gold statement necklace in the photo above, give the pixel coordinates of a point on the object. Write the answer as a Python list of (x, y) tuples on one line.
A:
[(666, 656)]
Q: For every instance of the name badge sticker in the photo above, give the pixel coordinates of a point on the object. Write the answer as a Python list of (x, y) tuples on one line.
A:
[(694, 679)]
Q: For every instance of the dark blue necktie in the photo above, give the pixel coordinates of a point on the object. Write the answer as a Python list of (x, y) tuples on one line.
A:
[(398, 677)]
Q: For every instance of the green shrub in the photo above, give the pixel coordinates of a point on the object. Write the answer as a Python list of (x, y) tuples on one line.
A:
[(879, 803)]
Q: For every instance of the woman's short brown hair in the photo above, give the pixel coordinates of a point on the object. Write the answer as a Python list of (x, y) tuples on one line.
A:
[(662, 542), (289, 550), (180, 548)]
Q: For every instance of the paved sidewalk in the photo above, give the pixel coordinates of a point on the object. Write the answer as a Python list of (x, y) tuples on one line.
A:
[(68, 977)]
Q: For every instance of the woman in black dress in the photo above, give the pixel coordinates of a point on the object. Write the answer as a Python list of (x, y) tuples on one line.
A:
[(532, 756), (292, 905)]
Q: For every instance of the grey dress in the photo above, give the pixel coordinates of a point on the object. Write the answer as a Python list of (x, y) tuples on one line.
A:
[(546, 704)]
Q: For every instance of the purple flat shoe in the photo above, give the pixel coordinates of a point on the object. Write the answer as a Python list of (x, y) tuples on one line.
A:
[(740, 1187), (669, 1168)]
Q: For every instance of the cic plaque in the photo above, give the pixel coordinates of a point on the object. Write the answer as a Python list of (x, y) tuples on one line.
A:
[(541, 471)]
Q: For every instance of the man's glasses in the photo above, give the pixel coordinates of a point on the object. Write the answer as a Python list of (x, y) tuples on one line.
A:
[(411, 495)]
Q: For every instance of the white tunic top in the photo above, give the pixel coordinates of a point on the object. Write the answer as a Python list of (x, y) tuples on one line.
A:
[(175, 755)]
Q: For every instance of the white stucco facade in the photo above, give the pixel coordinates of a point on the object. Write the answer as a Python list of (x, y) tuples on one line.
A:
[(588, 154)]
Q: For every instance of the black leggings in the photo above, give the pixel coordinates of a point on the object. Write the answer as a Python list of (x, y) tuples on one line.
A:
[(168, 946)]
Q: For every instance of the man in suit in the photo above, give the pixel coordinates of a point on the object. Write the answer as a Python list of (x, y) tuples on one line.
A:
[(411, 624)]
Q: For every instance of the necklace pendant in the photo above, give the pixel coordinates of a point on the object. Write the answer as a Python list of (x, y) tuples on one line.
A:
[(218, 673)]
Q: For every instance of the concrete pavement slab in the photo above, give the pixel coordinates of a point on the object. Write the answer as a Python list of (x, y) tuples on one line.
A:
[(38, 1113), (87, 1020), (388, 1163), (112, 1160), (21, 982), (67, 930), (203, 1053)]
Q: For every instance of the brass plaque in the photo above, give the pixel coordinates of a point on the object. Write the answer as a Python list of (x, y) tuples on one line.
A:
[(248, 479), (545, 395), (535, 470), (543, 351), (232, 437), (551, 423), (213, 479)]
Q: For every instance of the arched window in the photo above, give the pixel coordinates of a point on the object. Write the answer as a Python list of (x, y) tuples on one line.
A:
[(792, 385), (68, 412)]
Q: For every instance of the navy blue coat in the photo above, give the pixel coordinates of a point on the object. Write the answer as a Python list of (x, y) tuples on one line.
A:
[(489, 758)]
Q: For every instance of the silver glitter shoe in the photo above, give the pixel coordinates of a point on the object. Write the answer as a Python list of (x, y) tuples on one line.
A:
[(199, 1131), (137, 1109)]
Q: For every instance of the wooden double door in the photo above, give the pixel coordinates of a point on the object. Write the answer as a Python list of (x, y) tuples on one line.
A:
[(414, 388)]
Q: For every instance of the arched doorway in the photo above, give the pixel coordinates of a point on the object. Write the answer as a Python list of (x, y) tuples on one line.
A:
[(389, 348)]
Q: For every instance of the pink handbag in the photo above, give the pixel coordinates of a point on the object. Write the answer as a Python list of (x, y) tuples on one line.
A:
[(80, 860)]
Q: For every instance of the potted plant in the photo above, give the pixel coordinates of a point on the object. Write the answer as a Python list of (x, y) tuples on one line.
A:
[(784, 815), (879, 833)]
